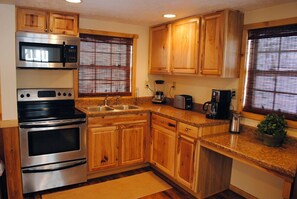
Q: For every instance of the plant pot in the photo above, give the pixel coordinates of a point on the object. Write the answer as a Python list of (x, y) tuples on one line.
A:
[(269, 140)]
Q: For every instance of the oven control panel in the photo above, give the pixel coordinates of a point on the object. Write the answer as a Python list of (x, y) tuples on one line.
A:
[(45, 94)]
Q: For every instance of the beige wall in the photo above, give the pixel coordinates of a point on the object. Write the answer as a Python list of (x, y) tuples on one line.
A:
[(7, 62), (249, 179)]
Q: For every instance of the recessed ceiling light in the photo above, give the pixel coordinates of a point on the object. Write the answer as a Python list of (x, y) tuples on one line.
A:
[(169, 15), (74, 1)]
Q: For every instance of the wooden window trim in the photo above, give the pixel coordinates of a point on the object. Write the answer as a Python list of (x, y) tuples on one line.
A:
[(242, 81), (114, 34)]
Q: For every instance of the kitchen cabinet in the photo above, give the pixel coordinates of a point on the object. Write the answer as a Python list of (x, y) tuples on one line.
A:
[(116, 140), (163, 141), (185, 38), (160, 47), (220, 43), (186, 156), (132, 143), (42, 21), (103, 143)]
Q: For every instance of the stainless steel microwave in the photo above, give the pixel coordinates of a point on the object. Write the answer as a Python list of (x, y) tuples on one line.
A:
[(47, 51)]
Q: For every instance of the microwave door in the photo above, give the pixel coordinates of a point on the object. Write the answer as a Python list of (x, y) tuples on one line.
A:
[(40, 53)]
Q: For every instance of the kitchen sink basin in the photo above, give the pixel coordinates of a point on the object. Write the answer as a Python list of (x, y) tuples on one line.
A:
[(99, 108), (125, 107)]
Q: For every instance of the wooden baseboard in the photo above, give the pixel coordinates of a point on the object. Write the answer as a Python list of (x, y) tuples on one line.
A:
[(117, 170), (241, 192)]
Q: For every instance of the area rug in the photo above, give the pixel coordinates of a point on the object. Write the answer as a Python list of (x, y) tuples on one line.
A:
[(131, 187)]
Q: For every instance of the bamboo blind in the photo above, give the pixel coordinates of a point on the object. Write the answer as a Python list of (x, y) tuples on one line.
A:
[(105, 65), (272, 71)]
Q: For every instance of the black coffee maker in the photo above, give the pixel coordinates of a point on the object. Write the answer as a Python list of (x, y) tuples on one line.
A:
[(219, 106)]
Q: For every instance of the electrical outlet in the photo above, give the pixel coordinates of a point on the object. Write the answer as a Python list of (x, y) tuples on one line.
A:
[(233, 93), (173, 85), (147, 84)]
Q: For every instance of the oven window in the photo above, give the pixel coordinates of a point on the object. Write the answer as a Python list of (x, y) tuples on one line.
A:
[(53, 141), (36, 52)]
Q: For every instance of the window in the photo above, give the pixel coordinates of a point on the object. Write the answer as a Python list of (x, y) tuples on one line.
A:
[(106, 65), (271, 78)]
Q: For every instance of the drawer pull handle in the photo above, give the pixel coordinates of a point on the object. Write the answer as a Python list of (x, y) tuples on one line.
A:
[(172, 125), (187, 129)]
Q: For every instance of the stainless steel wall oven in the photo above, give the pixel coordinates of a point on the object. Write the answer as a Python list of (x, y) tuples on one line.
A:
[(52, 139)]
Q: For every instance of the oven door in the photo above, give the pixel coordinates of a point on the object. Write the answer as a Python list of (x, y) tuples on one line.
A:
[(52, 141)]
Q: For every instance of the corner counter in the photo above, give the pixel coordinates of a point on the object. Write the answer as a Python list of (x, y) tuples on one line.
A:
[(246, 147)]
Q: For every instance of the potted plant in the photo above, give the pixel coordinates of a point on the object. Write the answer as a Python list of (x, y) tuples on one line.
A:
[(273, 129)]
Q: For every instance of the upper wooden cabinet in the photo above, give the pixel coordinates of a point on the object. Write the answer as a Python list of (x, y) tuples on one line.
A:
[(220, 43), (160, 46), (209, 45), (41, 21), (185, 35)]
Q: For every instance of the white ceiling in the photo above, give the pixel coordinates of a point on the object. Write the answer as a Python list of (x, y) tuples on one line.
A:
[(144, 12)]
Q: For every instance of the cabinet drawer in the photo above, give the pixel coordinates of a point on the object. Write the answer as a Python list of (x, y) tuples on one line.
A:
[(164, 122), (188, 130), (109, 120)]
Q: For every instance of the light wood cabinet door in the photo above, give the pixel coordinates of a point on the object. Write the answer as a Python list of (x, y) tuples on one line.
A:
[(220, 43), (160, 46), (42, 21), (66, 24), (102, 147), (131, 143), (163, 149), (185, 38), (185, 160), (32, 20)]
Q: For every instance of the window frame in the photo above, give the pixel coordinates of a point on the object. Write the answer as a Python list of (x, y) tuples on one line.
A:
[(243, 66), (133, 67)]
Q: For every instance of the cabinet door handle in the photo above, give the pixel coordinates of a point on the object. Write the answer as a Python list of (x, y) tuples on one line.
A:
[(172, 125), (187, 129)]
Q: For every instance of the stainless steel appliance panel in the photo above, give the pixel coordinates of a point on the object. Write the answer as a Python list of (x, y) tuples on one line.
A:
[(48, 156), (54, 175)]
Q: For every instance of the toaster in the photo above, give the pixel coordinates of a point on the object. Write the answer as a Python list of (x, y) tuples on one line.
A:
[(183, 102)]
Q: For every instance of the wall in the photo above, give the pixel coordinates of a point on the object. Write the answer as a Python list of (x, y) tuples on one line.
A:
[(7, 62), (260, 184), (50, 79)]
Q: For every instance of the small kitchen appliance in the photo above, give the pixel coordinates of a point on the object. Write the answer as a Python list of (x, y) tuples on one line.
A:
[(219, 105), (52, 139), (183, 102), (159, 97), (47, 51)]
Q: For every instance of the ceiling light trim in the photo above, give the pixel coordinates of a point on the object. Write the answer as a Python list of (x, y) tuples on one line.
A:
[(169, 16), (74, 1)]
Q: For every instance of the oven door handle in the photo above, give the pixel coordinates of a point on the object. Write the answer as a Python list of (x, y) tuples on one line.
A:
[(54, 169), (51, 123)]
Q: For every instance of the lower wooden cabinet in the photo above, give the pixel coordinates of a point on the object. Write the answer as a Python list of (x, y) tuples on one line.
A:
[(103, 150), (132, 143), (116, 141), (185, 160), (163, 149)]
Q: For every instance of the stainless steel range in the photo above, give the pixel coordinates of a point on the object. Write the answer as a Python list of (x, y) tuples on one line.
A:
[(52, 139)]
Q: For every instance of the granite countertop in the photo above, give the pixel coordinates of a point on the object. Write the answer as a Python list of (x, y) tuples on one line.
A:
[(187, 116), (248, 146), (8, 123), (245, 145)]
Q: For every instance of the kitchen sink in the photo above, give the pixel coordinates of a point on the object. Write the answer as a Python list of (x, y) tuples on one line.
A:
[(125, 107), (99, 108)]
